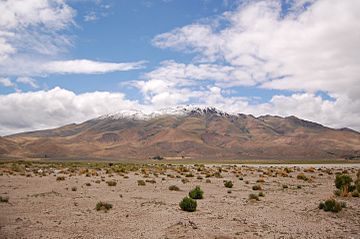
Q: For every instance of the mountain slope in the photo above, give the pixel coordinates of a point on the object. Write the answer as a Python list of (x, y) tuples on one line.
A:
[(190, 132)]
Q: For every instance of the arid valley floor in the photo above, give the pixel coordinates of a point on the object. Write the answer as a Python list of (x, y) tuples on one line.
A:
[(58, 200)]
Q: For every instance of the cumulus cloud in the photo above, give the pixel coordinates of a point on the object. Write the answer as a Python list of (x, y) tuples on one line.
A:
[(56, 107), (312, 47), (43, 109)]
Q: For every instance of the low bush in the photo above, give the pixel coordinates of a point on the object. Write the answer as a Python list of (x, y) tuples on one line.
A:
[(196, 193), (253, 196), (141, 183), (261, 194), (331, 205), (302, 176), (74, 189), (228, 184), (185, 180), (4, 199), (153, 181), (256, 187), (104, 206), (188, 204), (343, 183), (111, 183), (174, 188), (60, 178)]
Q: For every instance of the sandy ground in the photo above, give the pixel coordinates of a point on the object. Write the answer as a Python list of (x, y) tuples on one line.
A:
[(42, 207)]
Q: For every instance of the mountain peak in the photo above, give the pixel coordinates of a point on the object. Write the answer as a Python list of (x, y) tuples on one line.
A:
[(176, 111)]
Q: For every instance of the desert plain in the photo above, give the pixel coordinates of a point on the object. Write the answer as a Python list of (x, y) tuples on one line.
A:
[(58, 200)]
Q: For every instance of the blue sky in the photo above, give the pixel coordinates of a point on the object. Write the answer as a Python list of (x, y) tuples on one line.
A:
[(64, 61)]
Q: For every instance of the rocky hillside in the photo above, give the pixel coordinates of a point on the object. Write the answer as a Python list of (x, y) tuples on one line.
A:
[(187, 132)]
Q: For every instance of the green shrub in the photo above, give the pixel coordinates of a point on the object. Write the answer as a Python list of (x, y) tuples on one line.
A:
[(111, 183), (331, 205), (188, 204), (256, 187), (174, 188), (141, 183), (103, 206), (253, 196), (228, 184), (343, 182), (196, 193), (261, 194), (4, 199)]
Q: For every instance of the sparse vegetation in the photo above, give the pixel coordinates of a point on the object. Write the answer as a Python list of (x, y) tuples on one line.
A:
[(104, 206), (284, 186), (343, 183), (4, 199), (74, 189), (253, 196), (261, 194), (188, 204), (150, 181), (256, 187), (174, 188), (185, 180), (196, 193), (141, 183), (302, 176), (60, 178), (111, 183), (228, 184), (331, 205)]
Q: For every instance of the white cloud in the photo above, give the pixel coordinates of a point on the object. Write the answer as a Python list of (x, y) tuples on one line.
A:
[(317, 48), (33, 26), (314, 47), (87, 67), (90, 17), (34, 38), (27, 81), (6, 82), (56, 107)]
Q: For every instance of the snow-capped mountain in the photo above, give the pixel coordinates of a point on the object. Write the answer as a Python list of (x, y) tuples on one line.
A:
[(190, 131)]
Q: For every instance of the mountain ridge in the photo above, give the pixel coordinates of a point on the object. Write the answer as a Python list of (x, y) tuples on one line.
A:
[(195, 132)]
